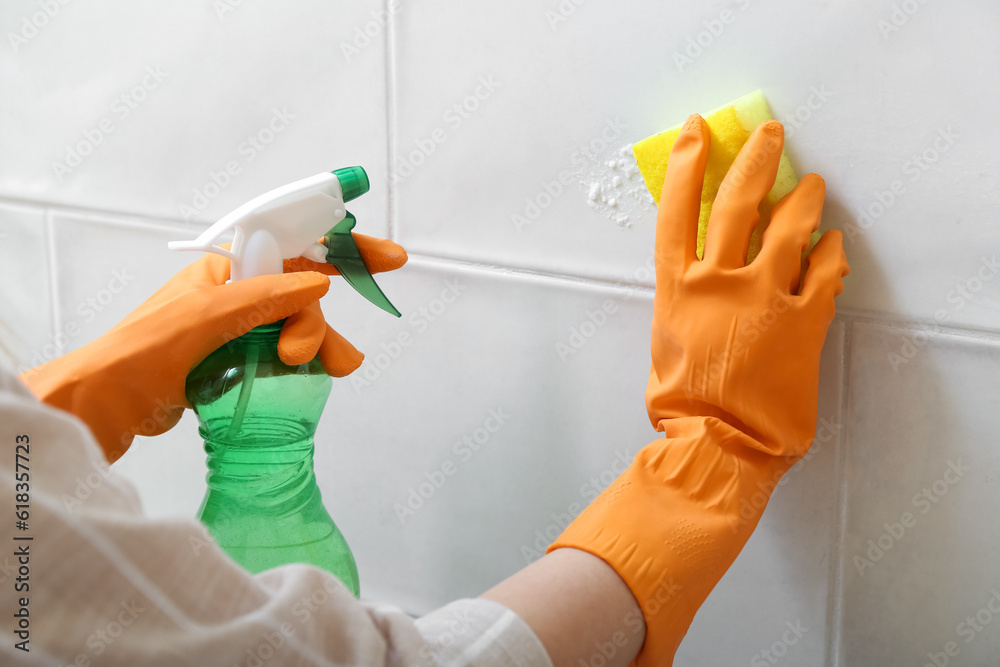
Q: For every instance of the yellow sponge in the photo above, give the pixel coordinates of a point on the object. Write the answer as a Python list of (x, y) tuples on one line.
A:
[(730, 126)]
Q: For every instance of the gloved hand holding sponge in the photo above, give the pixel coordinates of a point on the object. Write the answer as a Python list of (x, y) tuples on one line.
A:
[(733, 384)]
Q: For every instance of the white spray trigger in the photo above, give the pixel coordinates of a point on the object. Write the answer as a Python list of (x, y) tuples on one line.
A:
[(281, 224)]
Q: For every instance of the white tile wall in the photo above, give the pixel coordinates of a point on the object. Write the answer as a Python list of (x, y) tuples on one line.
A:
[(493, 194), (27, 324), (406, 414), (879, 105), (159, 101), (921, 550), (105, 266)]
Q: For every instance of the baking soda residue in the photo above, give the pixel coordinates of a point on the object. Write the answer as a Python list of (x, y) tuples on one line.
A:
[(615, 187)]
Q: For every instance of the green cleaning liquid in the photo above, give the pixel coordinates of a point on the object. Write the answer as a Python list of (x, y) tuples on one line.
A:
[(258, 418)]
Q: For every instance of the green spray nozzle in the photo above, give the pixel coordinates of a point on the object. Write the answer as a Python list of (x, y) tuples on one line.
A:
[(353, 182), (341, 249)]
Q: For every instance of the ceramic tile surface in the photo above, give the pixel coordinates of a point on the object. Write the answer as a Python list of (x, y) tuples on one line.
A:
[(187, 109), (26, 322), (897, 122), (921, 549), (106, 266), (475, 417)]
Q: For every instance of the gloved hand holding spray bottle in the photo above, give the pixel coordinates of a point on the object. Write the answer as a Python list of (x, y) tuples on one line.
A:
[(258, 415)]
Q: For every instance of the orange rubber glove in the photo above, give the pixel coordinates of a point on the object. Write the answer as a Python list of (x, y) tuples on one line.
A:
[(733, 384), (130, 381)]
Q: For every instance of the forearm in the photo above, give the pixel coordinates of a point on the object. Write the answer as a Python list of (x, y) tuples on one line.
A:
[(578, 607), (180, 598)]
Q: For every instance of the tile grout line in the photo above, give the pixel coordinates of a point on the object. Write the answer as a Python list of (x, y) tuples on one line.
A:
[(859, 317), (487, 267), (390, 120), (170, 224), (843, 315), (836, 603), (112, 216), (50, 242)]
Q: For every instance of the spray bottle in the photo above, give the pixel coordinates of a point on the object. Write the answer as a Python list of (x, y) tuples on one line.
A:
[(257, 415)]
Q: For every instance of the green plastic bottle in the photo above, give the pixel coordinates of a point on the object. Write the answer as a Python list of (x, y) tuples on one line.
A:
[(258, 417)]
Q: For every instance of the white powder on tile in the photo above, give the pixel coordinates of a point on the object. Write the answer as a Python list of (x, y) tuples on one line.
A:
[(615, 187)]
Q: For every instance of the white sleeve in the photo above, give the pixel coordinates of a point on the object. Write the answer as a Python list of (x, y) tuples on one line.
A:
[(97, 583)]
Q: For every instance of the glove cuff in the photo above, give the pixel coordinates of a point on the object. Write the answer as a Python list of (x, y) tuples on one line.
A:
[(114, 410), (675, 520)]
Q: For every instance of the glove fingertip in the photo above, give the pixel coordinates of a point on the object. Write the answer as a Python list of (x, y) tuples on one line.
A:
[(294, 352), (381, 255), (302, 335), (338, 356), (826, 268)]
